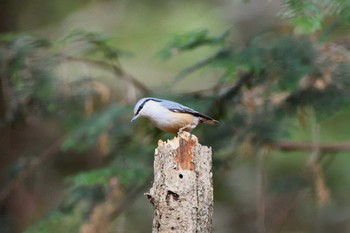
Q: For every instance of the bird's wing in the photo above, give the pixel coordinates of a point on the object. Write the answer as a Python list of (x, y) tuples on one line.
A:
[(176, 107)]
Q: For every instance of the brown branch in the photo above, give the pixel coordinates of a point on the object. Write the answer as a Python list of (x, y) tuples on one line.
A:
[(309, 146), (187, 71), (218, 105), (118, 71), (121, 73), (30, 169)]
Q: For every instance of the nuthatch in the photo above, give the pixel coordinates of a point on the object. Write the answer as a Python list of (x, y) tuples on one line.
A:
[(170, 116)]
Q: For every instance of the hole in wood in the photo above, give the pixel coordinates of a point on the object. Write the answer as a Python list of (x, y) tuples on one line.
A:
[(171, 194), (181, 176), (172, 228)]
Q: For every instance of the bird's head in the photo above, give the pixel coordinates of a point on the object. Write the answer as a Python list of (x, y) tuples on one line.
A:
[(141, 107)]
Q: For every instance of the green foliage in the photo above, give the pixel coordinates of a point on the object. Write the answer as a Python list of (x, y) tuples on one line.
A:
[(283, 59), (305, 16), (27, 65), (126, 175), (57, 221), (308, 16), (190, 40), (260, 93), (96, 44), (344, 12), (277, 66), (86, 133)]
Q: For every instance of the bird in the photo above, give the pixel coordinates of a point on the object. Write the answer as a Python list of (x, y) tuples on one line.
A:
[(170, 116)]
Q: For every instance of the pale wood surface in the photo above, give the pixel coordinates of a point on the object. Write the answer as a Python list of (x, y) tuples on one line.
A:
[(182, 191)]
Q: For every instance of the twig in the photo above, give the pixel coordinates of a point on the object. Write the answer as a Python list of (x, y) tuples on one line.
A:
[(118, 71), (193, 68), (199, 65), (244, 78), (321, 189), (131, 79), (219, 104)]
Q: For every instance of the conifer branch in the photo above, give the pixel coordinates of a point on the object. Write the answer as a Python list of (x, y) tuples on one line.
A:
[(309, 146)]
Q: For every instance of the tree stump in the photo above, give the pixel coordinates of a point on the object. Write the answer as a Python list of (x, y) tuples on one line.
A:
[(182, 191)]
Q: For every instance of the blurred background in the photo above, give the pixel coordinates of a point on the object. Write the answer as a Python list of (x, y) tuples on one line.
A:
[(274, 73)]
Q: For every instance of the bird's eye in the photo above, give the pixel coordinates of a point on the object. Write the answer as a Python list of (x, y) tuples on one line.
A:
[(138, 110)]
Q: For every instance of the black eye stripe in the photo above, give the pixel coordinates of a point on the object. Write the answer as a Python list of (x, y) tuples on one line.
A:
[(144, 102)]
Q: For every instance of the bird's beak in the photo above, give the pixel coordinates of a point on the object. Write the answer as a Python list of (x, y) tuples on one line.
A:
[(134, 118)]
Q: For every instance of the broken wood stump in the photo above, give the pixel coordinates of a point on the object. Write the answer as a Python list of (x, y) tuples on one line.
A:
[(182, 191)]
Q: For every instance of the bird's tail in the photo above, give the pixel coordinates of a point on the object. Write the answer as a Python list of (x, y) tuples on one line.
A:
[(209, 121)]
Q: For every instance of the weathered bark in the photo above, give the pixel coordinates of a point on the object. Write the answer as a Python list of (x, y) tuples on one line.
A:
[(182, 191)]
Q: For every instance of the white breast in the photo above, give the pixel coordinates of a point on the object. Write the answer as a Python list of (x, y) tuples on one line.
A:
[(165, 119), (155, 112)]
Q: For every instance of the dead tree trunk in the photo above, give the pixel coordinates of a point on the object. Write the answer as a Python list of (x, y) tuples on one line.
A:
[(182, 191)]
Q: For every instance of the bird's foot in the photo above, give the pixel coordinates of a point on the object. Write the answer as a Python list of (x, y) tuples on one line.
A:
[(188, 128)]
